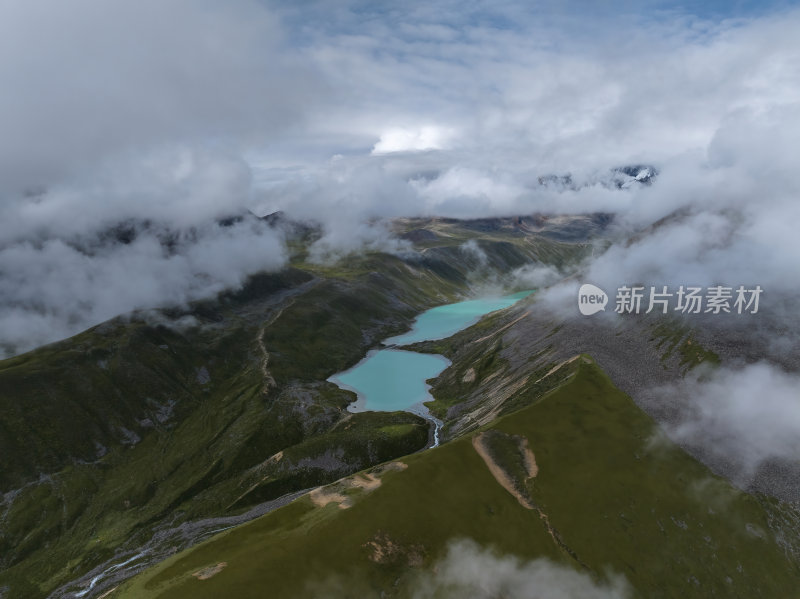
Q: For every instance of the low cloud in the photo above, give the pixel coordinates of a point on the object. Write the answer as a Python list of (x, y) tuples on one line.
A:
[(535, 276), (58, 287), (717, 221), (469, 570), (180, 113), (739, 418), (125, 127), (138, 234), (341, 238), (472, 250)]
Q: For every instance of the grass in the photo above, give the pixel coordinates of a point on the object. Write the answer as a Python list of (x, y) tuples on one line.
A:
[(131, 425), (619, 502)]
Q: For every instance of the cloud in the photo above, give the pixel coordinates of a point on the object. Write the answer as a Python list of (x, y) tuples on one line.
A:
[(90, 79), (472, 250), (133, 117), (469, 570), (178, 185), (711, 103), (742, 417), (140, 234), (180, 113), (535, 276), (341, 238), (55, 288), (726, 220), (411, 140)]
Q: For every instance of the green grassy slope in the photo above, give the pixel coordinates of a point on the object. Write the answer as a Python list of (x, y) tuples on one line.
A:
[(132, 426), (606, 497)]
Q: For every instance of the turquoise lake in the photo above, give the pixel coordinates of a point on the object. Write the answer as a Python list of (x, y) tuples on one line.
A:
[(393, 379), (442, 321)]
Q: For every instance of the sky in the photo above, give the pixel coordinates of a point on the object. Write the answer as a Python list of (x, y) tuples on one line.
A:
[(162, 117)]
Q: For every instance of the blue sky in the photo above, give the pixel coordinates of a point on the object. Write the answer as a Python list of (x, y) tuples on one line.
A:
[(310, 18)]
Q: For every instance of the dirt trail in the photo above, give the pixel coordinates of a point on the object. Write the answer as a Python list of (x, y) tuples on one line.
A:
[(558, 366), (504, 479), (528, 459), (207, 573), (501, 476), (269, 380), (501, 329), (366, 481)]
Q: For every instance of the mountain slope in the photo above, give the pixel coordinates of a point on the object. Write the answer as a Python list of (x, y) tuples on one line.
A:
[(602, 497), (147, 433)]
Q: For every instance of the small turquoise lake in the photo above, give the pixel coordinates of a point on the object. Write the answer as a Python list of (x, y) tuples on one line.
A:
[(393, 379), (442, 321)]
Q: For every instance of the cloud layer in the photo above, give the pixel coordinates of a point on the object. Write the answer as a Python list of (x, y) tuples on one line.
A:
[(54, 288), (178, 114), (132, 118)]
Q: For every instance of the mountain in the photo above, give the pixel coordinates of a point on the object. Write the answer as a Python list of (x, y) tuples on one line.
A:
[(619, 177), (572, 478), (145, 432), (203, 449)]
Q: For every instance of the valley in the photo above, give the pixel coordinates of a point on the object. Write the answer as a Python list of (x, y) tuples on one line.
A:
[(230, 462), (146, 425)]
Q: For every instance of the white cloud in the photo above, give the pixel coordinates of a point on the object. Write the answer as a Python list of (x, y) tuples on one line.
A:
[(535, 276), (89, 78), (471, 571), (157, 112), (132, 115), (429, 137), (55, 288), (742, 417)]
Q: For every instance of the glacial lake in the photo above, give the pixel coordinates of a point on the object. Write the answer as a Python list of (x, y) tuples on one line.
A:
[(392, 379)]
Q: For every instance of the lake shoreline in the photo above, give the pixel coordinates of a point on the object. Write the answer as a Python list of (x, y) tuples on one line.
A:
[(390, 378)]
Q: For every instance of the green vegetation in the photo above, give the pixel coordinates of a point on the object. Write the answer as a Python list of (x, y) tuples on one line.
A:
[(672, 337), (132, 426), (138, 424), (506, 238), (608, 498)]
